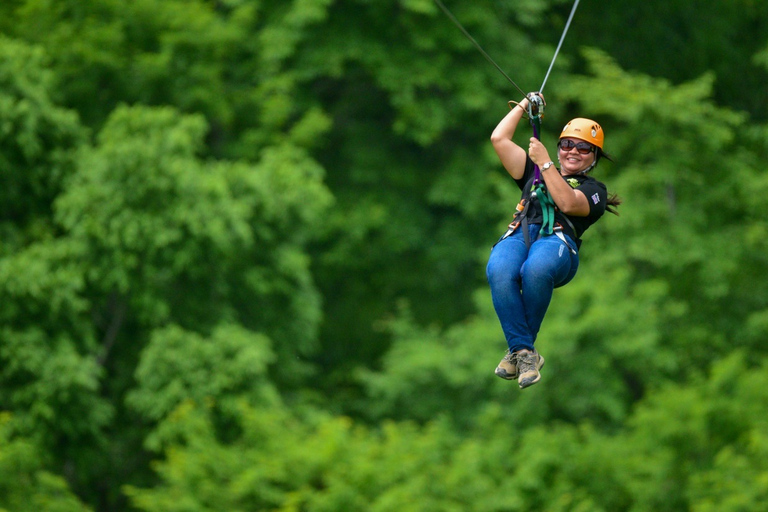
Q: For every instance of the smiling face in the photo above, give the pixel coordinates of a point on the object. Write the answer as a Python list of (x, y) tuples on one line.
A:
[(575, 155)]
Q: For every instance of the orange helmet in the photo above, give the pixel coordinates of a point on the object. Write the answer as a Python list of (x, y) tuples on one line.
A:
[(584, 129)]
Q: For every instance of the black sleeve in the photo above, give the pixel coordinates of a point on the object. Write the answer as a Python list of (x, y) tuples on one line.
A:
[(527, 173), (597, 197)]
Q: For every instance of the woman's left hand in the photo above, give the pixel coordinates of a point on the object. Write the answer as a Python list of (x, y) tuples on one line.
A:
[(538, 152)]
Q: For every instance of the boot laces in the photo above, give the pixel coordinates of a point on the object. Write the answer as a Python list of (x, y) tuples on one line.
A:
[(526, 362)]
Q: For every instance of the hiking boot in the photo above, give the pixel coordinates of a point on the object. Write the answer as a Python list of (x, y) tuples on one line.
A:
[(528, 366), (507, 368)]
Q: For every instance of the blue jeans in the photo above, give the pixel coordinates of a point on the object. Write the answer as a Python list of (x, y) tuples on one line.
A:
[(522, 282)]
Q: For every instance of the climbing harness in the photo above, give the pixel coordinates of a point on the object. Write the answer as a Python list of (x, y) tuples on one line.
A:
[(535, 112), (520, 220)]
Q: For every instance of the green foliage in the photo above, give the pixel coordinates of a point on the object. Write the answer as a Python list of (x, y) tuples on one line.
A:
[(283, 463), (179, 366), (678, 438), (37, 139), (190, 240), (52, 385), (242, 248), (682, 40), (25, 484)]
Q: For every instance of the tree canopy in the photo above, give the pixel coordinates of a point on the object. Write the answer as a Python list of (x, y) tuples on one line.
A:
[(242, 253)]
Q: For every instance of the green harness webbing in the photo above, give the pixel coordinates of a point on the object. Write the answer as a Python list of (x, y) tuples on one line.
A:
[(547, 209)]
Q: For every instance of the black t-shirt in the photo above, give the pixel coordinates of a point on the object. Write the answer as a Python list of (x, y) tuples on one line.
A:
[(595, 191)]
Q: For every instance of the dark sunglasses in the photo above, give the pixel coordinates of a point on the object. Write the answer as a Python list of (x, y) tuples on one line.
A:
[(584, 148)]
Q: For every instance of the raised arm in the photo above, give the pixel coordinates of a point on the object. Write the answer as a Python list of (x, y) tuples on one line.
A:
[(511, 155)]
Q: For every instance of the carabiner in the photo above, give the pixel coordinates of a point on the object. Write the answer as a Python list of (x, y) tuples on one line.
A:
[(535, 105)]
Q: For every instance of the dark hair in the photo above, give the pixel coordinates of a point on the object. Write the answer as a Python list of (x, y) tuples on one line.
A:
[(613, 202), (599, 153)]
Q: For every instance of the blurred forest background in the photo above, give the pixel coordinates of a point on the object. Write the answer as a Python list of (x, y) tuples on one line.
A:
[(243, 247)]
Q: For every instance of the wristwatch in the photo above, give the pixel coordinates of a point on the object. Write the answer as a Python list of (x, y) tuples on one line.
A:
[(547, 166)]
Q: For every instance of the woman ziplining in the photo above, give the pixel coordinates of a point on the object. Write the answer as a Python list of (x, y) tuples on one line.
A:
[(540, 250)]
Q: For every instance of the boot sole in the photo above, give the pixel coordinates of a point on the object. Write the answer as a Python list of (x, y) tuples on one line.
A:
[(500, 372), (525, 384)]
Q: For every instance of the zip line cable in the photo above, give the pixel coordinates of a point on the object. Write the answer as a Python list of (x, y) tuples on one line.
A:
[(562, 37), (477, 45), (535, 100)]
